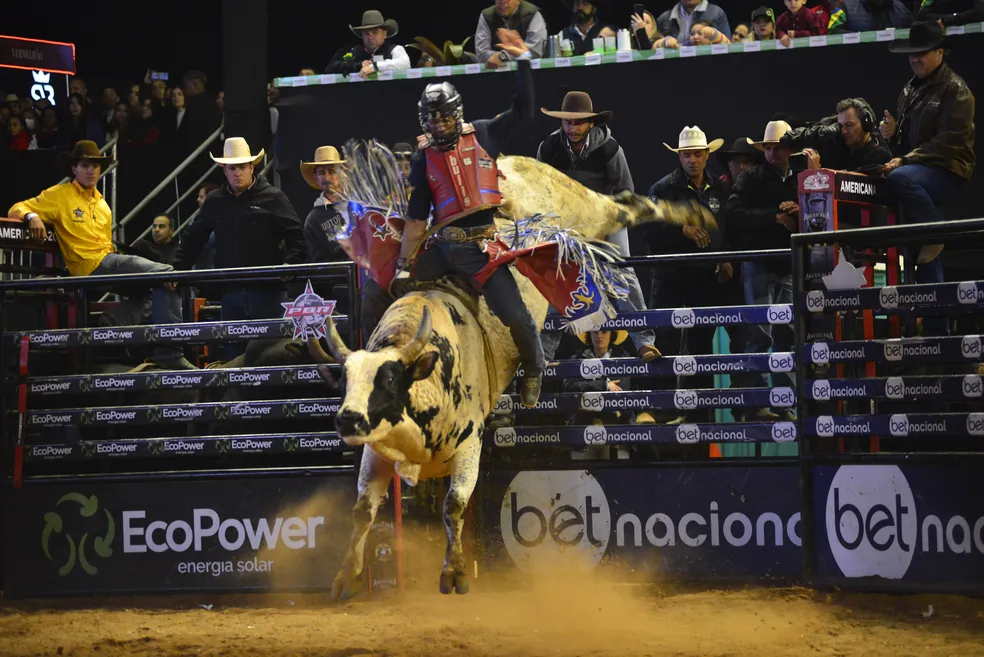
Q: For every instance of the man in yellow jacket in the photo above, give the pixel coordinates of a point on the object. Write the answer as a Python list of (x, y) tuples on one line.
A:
[(83, 224)]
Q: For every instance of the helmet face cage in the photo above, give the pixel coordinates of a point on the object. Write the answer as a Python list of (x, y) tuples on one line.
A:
[(439, 102)]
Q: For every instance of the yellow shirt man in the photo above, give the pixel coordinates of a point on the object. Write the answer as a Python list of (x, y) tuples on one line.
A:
[(82, 220)]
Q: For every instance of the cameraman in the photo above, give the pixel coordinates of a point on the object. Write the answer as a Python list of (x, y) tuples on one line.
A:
[(846, 142)]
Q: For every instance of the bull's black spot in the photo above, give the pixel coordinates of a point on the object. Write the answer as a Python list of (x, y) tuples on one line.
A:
[(456, 317), (468, 393), (423, 420), (451, 383), (467, 431), (390, 394)]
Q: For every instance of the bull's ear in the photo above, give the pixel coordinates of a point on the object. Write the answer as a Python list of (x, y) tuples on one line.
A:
[(423, 366)]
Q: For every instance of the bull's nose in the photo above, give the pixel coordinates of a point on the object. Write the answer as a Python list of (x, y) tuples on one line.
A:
[(351, 423)]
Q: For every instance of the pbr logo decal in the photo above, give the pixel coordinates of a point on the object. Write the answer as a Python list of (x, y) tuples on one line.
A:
[(818, 182), (309, 313)]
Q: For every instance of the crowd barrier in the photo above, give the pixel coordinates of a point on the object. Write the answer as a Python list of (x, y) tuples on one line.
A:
[(227, 492)]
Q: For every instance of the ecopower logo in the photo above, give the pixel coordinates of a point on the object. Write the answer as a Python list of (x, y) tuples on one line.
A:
[(63, 546), (874, 527)]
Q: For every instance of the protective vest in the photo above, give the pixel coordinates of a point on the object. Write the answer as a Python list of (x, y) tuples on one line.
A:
[(463, 180)]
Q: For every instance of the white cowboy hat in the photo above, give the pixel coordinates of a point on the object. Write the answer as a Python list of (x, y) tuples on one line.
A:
[(694, 139), (774, 131), (236, 151), (324, 156)]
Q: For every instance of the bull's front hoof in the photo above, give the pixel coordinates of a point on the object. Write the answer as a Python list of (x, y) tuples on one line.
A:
[(345, 587), (457, 582)]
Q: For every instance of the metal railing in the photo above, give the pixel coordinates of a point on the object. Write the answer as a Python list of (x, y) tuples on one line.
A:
[(166, 182)]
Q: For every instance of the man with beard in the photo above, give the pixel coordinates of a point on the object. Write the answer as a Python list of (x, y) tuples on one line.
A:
[(845, 142), (584, 149), (585, 27)]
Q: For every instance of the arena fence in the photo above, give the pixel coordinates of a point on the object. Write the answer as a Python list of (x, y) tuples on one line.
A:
[(231, 479)]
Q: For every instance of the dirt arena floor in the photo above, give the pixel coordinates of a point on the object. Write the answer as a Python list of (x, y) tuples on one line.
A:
[(549, 617)]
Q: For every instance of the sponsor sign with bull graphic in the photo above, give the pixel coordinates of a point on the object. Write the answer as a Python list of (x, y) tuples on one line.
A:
[(309, 313)]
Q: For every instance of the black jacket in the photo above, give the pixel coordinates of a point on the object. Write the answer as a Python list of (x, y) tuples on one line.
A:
[(151, 250), (248, 229), (953, 12), (494, 135), (668, 238), (322, 224), (600, 166), (349, 60), (936, 123), (825, 137), (753, 207)]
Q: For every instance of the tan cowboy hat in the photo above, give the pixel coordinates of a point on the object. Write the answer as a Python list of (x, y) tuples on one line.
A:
[(11, 98), (618, 338), (372, 19), (694, 139), (324, 156), (774, 131), (84, 150), (236, 151), (577, 105)]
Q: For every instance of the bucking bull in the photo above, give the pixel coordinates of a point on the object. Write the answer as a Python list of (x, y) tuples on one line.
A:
[(417, 397)]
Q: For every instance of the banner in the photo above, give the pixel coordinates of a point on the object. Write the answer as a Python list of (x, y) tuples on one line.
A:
[(727, 522), (950, 387), (899, 425), (682, 318), (683, 434), (949, 298), (37, 55), (915, 524), (253, 534), (597, 368), (961, 349)]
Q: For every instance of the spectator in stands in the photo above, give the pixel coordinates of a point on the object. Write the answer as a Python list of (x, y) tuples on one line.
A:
[(951, 12), (763, 212), (161, 245), (832, 15), (584, 149), (307, 71), (107, 101), (133, 98), (404, 155), (250, 218), (676, 22), (742, 32), (702, 33), (120, 121), (932, 139), (145, 128), (585, 26), (697, 284), (220, 100), (80, 125), (4, 114), (798, 21), (83, 225), (207, 259), (764, 26), (158, 90), (375, 53), (846, 141), (78, 86), (202, 115), (644, 32), (18, 137), (868, 15), (48, 135), (742, 157), (600, 344), (517, 15), (13, 105)]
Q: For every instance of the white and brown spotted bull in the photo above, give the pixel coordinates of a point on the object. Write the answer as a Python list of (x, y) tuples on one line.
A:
[(418, 395)]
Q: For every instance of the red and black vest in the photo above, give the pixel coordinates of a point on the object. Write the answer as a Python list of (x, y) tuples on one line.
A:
[(462, 180)]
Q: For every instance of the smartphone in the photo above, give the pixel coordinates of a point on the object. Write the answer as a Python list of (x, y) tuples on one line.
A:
[(639, 9), (158, 75)]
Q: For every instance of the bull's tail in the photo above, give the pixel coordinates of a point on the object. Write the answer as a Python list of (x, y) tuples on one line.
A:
[(373, 177)]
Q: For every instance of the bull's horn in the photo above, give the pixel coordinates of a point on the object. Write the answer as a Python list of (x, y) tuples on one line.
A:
[(410, 351), (317, 352), (335, 344)]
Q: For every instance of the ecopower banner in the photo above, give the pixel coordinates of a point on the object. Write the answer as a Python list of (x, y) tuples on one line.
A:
[(725, 522), (179, 535)]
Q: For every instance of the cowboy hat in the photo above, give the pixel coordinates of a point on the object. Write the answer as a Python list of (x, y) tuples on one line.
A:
[(236, 151), (11, 98), (84, 150), (403, 149), (923, 37), (372, 19), (618, 338), (741, 147), (577, 105), (774, 131), (324, 156), (694, 139)]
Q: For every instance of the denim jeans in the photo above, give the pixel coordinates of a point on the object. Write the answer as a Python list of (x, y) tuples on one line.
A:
[(244, 304), (635, 301), (162, 306), (763, 286), (500, 291)]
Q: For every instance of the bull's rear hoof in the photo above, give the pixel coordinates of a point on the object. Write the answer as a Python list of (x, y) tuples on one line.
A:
[(345, 588), (457, 582)]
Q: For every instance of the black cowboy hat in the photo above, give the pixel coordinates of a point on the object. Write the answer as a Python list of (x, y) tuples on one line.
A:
[(740, 147), (577, 105), (923, 37), (372, 19), (84, 150), (597, 3)]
